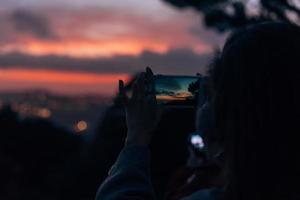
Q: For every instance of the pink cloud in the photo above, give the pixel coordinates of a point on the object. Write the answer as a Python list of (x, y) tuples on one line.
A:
[(106, 32)]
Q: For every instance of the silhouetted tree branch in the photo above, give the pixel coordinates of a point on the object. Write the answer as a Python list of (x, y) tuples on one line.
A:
[(224, 15)]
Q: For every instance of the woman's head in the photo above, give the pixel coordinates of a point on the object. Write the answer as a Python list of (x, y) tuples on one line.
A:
[(256, 100)]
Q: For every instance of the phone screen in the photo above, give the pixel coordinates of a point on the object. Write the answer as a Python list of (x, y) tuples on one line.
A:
[(177, 90)]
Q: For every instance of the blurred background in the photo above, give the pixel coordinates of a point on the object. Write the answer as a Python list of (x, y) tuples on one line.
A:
[(61, 127)]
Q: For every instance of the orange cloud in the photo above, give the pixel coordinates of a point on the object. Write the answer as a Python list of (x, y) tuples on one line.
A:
[(58, 81), (87, 47), (47, 76), (97, 32), (107, 32)]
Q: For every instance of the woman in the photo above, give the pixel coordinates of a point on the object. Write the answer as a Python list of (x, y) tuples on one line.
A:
[(256, 86)]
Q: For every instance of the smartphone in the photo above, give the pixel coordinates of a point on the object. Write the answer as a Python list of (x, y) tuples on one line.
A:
[(174, 90), (177, 90)]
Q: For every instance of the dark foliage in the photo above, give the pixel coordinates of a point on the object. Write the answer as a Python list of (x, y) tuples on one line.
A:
[(226, 15), (35, 157)]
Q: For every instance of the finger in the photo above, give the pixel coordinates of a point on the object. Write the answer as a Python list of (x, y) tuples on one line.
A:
[(134, 90), (122, 93), (138, 89), (141, 87), (151, 99), (149, 71), (150, 86), (149, 75)]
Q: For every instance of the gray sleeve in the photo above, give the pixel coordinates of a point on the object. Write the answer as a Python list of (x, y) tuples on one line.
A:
[(205, 194), (129, 178)]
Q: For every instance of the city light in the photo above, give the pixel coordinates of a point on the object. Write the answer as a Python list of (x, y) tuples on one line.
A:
[(44, 113), (81, 126)]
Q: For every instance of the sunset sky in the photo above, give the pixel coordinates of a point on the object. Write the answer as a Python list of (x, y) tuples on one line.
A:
[(85, 46)]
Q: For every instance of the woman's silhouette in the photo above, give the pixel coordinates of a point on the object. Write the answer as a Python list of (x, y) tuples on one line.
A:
[(255, 103)]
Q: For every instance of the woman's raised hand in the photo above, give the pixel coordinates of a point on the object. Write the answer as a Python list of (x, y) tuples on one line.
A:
[(141, 109)]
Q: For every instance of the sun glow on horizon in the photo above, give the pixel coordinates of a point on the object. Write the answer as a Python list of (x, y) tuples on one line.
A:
[(113, 36), (86, 48), (60, 81)]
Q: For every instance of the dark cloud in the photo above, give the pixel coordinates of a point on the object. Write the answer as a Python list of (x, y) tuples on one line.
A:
[(33, 23), (179, 61), (8, 32), (208, 36)]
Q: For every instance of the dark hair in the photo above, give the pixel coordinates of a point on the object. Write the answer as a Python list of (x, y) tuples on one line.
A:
[(256, 100)]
